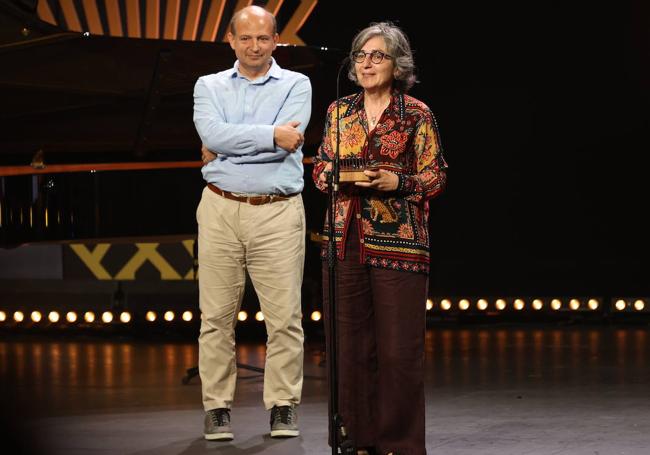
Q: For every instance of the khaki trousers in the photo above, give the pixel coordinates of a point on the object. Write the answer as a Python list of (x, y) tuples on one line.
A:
[(269, 241)]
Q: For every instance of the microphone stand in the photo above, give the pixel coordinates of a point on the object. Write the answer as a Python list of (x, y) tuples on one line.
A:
[(338, 434)]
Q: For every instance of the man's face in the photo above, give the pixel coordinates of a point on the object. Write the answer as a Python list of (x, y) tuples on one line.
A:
[(253, 43)]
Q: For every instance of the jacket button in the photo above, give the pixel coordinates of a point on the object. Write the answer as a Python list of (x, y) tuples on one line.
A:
[(358, 216)]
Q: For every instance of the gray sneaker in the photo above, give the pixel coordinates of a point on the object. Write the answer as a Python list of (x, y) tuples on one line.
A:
[(284, 422), (217, 425)]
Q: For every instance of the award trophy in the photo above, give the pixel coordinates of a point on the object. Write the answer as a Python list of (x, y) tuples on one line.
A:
[(351, 170)]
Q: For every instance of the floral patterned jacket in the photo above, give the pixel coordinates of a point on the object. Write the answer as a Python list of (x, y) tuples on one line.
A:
[(393, 226)]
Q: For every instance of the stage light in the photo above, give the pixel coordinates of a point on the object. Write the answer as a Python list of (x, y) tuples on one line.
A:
[(484, 305), (639, 305)]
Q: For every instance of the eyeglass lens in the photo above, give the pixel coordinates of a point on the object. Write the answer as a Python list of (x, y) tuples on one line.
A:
[(375, 56)]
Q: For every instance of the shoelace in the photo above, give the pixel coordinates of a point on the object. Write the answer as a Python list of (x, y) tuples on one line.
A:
[(285, 413), (220, 418)]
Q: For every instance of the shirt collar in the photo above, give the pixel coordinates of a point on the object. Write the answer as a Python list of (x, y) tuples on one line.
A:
[(274, 72), (396, 103)]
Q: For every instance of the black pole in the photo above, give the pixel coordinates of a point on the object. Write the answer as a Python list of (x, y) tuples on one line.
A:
[(338, 434)]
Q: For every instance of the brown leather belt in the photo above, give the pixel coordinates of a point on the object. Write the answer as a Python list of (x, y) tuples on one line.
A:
[(252, 200)]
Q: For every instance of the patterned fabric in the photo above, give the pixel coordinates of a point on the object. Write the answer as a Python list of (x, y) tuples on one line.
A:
[(393, 226)]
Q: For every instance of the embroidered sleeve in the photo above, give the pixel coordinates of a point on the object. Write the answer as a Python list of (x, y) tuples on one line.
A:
[(430, 176), (325, 154)]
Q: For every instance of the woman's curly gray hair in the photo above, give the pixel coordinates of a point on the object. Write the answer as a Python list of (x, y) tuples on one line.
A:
[(397, 46)]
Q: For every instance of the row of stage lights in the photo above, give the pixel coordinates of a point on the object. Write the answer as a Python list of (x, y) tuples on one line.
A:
[(125, 317), (535, 304)]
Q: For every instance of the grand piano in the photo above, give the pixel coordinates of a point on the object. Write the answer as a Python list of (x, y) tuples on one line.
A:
[(96, 132)]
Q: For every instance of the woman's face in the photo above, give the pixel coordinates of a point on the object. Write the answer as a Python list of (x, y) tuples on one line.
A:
[(375, 76)]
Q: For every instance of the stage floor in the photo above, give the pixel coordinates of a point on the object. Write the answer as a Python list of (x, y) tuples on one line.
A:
[(508, 390)]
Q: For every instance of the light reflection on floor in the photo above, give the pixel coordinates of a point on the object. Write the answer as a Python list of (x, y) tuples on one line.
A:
[(103, 376)]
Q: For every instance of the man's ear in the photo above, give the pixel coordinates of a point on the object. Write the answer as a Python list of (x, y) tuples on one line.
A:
[(231, 40), (276, 40)]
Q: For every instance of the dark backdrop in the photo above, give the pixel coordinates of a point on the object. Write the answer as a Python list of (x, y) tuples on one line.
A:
[(543, 110)]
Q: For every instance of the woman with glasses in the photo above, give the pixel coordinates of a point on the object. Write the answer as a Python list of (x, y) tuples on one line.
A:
[(382, 239)]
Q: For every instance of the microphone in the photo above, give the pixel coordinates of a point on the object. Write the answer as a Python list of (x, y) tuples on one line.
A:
[(336, 164), (338, 434)]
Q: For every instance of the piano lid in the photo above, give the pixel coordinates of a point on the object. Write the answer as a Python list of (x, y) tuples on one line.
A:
[(81, 98), (111, 120)]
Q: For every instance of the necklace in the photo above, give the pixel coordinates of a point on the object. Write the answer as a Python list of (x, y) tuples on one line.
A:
[(373, 117)]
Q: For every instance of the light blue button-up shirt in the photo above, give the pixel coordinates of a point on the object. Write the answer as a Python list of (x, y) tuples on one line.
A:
[(235, 118)]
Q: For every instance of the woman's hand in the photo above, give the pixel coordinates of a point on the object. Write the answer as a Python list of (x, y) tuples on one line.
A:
[(207, 155), (323, 176), (380, 180)]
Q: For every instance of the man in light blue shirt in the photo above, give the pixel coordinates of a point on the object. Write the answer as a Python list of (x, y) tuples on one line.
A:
[(251, 120)]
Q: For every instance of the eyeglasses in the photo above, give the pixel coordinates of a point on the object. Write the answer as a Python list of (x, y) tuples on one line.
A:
[(376, 57)]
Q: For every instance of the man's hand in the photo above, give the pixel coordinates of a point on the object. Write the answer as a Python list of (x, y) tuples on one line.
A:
[(380, 180), (207, 155), (288, 137)]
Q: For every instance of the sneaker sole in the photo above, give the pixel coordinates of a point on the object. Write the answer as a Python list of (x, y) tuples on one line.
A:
[(284, 433), (219, 437)]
